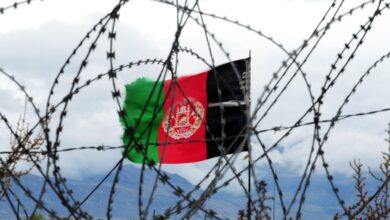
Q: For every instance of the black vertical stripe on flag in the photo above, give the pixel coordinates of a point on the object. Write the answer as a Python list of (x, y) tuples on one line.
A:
[(235, 130), (225, 77)]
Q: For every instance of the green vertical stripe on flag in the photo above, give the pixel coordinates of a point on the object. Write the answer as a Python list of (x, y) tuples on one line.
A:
[(137, 94)]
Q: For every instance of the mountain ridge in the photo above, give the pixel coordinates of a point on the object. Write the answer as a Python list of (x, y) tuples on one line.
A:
[(320, 201)]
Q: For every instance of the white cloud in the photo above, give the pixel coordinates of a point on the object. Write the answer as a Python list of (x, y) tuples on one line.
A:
[(34, 46)]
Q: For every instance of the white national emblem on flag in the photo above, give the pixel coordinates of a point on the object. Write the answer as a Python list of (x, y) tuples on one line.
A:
[(184, 119)]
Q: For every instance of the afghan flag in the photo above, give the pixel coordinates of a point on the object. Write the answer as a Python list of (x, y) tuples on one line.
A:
[(187, 119)]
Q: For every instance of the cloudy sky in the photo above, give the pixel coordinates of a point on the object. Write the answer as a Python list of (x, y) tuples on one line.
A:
[(36, 39)]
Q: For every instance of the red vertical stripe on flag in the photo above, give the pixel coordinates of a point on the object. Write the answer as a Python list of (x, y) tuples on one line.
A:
[(184, 130)]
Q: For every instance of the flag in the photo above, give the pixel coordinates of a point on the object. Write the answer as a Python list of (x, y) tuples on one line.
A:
[(188, 119)]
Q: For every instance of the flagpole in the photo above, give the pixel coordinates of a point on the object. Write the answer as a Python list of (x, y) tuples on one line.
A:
[(248, 110), (249, 189)]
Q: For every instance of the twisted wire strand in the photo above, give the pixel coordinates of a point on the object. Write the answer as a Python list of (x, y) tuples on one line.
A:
[(188, 204)]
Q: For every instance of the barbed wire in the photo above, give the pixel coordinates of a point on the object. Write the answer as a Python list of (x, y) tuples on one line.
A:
[(15, 5), (191, 202)]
